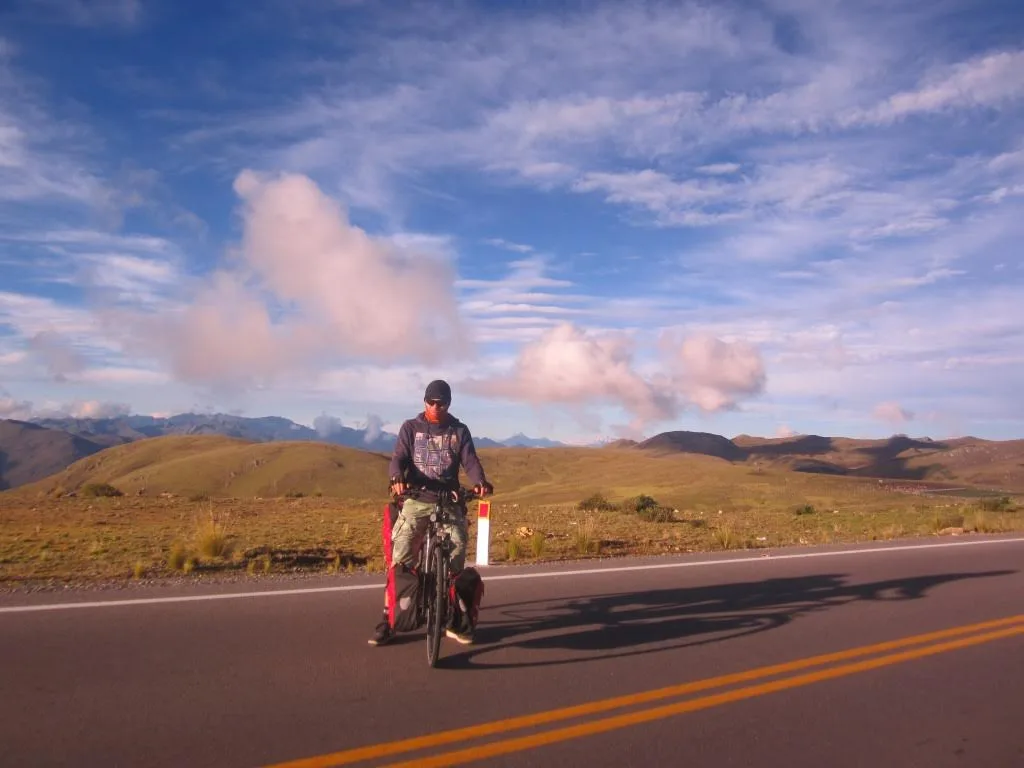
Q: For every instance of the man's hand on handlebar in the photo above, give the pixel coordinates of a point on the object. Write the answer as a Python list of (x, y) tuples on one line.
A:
[(483, 489), (398, 487)]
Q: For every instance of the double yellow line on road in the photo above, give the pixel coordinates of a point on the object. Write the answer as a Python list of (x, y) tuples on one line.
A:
[(883, 654)]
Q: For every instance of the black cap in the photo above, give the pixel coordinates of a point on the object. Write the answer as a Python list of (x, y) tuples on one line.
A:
[(438, 390)]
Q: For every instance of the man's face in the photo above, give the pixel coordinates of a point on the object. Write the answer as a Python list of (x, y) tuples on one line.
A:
[(436, 410)]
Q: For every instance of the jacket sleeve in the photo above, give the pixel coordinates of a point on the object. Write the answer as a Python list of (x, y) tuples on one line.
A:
[(469, 460), (401, 458)]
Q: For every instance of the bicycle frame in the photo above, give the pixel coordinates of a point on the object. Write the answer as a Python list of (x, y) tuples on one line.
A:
[(435, 568)]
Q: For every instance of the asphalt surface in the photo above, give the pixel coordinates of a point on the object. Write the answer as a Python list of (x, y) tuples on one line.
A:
[(283, 674)]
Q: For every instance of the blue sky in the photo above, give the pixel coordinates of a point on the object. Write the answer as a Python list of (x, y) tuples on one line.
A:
[(594, 219)]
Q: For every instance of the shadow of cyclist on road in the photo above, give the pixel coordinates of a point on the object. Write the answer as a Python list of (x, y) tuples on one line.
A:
[(634, 623)]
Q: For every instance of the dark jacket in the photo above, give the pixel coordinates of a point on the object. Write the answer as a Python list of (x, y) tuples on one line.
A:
[(428, 457)]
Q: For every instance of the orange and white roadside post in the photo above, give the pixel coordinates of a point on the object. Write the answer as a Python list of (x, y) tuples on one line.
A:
[(483, 533)]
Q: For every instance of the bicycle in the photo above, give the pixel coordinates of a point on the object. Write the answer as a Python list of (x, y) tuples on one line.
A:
[(433, 568)]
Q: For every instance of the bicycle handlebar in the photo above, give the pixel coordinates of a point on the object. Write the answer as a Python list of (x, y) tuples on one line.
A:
[(462, 494)]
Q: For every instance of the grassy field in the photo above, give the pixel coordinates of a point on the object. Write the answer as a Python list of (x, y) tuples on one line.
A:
[(196, 506)]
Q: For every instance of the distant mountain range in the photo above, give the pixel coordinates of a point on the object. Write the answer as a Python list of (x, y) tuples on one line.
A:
[(31, 451), (34, 449)]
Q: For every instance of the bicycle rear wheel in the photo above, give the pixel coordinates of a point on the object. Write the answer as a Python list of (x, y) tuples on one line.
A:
[(437, 605)]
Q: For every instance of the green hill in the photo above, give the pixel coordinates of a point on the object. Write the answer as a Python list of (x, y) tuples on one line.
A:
[(216, 466)]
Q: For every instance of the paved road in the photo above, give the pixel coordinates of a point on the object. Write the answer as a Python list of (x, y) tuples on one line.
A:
[(697, 661)]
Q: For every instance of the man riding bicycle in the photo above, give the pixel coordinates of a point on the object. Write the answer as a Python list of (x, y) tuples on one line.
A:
[(424, 468)]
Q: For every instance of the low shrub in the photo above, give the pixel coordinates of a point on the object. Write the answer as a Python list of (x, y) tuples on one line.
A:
[(1001, 504), (596, 502), (95, 490), (639, 504), (647, 508), (657, 514), (806, 509)]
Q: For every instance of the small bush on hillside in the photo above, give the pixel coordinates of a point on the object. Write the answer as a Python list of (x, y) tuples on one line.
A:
[(638, 504), (806, 509), (1002, 504), (95, 490), (647, 508), (657, 514), (294, 495), (197, 497), (596, 502)]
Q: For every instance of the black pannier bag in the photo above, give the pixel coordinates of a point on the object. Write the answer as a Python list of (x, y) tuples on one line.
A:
[(403, 599), (466, 593)]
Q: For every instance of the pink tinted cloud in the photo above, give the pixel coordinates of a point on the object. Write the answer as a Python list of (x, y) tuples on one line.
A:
[(306, 288), (568, 365), (892, 413), (713, 374)]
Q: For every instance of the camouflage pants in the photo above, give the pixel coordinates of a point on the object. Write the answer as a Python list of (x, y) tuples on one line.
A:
[(411, 525)]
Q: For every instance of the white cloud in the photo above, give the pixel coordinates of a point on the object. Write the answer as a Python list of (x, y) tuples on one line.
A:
[(92, 13), (30, 316), (42, 158), (720, 169), (147, 281), (498, 242), (58, 356), (983, 81), (77, 409), (95, 409), (15, 409), (122, 376)]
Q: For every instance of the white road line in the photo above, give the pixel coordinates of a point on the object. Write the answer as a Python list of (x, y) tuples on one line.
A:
[(759, 558)]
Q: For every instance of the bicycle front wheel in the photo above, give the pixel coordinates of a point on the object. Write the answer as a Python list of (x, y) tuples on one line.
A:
[(437, 608)]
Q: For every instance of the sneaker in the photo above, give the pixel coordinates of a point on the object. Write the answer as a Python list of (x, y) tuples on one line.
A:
[(382, 635), (466, 638)]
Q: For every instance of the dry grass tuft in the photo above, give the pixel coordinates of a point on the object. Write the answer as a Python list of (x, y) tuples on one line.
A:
[(584, 538), (176, 556), (212, 537), (537, 542), (725, 537), (512, 548)]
